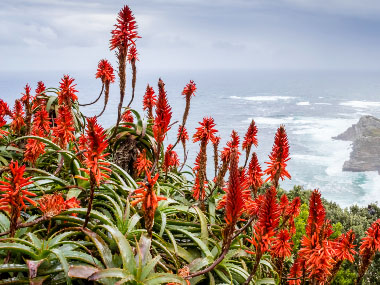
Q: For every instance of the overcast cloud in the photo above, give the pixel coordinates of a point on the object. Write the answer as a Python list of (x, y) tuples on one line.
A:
[(194, 34)]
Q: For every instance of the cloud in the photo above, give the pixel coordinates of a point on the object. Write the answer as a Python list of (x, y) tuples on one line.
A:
[(258, 34)]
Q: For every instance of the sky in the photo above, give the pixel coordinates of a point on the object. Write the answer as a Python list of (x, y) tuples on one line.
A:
[(46, 35)]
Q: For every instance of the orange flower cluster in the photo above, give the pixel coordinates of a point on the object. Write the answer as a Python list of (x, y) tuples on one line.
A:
[(204, 134), (41, 122), (125, 31), (53, 204), (189, 89), (142, 164), (234, 199), (370, 245), (182, 135), (163, 114), (15, 195), (127, 116), (63, 132), (250, 137), (147, 196), (254, 174), (17, 117), (4, 111), (67, 94), (132, 54), (149, 101), (38, 99), (105, 72), (278, 158), (93, 145), (171, 159), (34, 148)]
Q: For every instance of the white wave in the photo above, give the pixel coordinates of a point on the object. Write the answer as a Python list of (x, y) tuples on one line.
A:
[(263, 98), (305, 103), (321, 103), (361, 104)]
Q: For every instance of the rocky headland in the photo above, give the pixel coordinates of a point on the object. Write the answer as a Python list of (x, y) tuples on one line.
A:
[(365, 137)]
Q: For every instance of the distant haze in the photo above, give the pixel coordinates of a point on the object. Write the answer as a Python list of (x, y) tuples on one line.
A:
[(41, 35)]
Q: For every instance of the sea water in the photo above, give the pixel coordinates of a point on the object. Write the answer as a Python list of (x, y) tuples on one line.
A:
[(314, 106)]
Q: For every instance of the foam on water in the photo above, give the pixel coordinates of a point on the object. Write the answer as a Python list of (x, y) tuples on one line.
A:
[(263, 98), (361, 104), (304, 103)]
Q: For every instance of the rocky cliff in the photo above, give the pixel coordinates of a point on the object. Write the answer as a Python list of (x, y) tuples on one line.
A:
[(365, 137)]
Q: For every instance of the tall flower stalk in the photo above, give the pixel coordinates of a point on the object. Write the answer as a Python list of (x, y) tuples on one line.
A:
[(26, 100), (123, 37), (93, 145), (204, 134), (264, 229)]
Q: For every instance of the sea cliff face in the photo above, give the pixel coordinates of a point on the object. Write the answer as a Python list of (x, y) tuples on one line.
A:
[(365, 137)]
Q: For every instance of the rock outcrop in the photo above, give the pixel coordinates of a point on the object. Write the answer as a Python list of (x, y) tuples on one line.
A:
[(365, 137)]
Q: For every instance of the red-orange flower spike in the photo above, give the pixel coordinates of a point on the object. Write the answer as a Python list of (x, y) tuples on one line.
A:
[(52, 204), (15, 194), (316, 214), (171, 159), (370, 245), (17, 116), (34, 148), (182, 134), (344, 247), (13, 188), (127, 116), (250, 137), (284, 203), (25, 99), (371, 242), (93, 151), (41, 121), (282, 245), (63, 133), (255, 174), (4, 109), (125, 31), (278, 158), (2, 123), (294, 208), (269, 212), (142, 164), (296, 272), (163, 114), (132, 54), (189, 89), (105, 72), (235, 202), (149, 101), (67, 94), (206, 132), (147, 196), (38, 101), (72, 203), (40, 88)]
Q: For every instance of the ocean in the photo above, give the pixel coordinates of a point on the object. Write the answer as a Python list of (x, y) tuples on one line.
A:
[(314, 106)]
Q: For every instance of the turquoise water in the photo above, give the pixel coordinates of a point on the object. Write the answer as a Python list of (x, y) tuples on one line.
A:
[(314, 106)]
